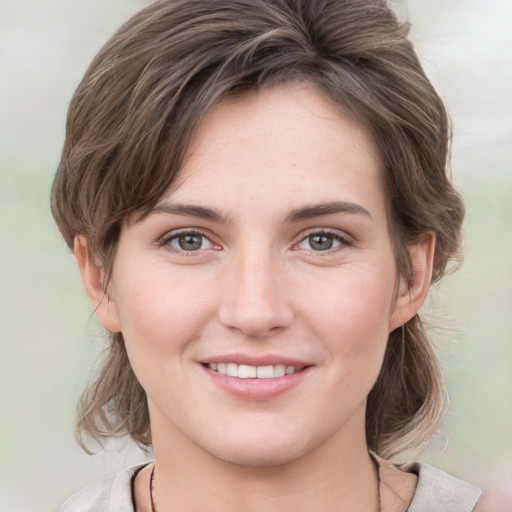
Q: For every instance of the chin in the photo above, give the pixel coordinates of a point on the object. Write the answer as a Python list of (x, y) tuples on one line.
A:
[(256, 457), (260, 447)]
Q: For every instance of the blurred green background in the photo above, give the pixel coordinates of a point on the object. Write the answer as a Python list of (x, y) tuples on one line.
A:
[(48, 340)]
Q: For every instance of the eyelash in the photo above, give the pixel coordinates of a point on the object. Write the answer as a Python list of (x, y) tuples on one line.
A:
[(344, 241), (169, 238)]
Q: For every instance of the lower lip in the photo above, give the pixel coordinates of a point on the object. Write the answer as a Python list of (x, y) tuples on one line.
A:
[(257, 389)]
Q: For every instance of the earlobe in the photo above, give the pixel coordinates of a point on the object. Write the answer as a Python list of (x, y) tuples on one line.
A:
[(410, 298), (92, 275)]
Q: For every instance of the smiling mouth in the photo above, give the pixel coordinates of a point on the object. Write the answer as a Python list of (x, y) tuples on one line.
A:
[(243, 371)]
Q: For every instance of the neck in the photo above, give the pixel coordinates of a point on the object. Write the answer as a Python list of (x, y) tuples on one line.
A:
[(338, 475)]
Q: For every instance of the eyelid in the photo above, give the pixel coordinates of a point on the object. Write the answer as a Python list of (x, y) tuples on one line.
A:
[(342, 237), (165, 240)]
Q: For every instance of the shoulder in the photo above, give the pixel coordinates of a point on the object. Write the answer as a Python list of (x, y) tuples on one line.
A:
[(112, 494), (496, 500), (437, 490)]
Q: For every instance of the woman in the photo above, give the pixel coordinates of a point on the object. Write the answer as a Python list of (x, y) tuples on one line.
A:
[(257, 198)]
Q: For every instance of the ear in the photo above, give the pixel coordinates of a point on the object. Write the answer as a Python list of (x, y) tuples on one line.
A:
[(410, 298), (92, 278)]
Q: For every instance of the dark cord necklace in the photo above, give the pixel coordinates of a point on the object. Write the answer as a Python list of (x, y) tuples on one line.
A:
[(374, 460), (151, 489), (377, 469)]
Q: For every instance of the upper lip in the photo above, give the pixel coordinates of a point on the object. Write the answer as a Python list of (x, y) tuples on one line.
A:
[(249, 360)]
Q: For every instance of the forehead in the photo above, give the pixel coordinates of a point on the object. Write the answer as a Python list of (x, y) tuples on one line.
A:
[(268, 153)]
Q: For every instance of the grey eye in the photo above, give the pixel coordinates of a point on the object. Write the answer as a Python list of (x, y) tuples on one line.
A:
[(320, 242), (323, 241), (190, 241)]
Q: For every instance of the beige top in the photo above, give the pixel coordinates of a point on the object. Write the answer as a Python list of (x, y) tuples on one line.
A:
[(436, 492)]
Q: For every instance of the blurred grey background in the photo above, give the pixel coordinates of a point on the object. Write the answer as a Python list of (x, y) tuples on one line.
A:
[(48, 338)]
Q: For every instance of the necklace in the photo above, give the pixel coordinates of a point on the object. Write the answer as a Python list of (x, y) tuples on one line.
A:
[(151, 489), (374, 460), (377, 469)]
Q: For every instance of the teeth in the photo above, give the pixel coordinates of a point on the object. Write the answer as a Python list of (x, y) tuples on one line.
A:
[(280, 370), (244, 371), (232, 370), (265, 372)]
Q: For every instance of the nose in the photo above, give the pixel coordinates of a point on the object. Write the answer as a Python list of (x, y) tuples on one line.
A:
[(255, 299)]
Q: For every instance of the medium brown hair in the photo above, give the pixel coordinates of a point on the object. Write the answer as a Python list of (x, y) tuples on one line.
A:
[(142, 98)]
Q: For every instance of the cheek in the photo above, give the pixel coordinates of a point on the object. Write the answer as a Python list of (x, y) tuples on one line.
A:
[(161, 309), (351, 300), (350, 315), (162, 314)]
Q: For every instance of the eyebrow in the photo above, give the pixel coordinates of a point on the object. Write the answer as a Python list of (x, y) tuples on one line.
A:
[(296, 215), (317, 210), (200, 212)]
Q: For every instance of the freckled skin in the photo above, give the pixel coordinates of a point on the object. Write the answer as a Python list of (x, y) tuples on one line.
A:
[(258, 286)]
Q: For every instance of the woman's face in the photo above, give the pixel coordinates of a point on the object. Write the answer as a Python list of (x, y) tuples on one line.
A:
[(257, 297)]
